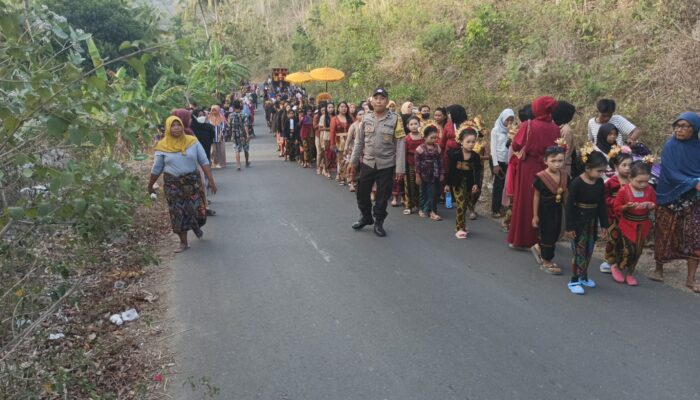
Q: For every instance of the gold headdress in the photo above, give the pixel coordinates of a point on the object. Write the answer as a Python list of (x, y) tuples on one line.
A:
[(561, 142), (586, 151), (426, 124), (649, 159), (614, 151)]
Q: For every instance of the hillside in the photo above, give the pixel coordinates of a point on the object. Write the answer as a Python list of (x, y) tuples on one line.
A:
[(492, 54)]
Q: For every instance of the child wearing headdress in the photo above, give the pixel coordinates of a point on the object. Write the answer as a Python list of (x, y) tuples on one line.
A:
[(585, 208)]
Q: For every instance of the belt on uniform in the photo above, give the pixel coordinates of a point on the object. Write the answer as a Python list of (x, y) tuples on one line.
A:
[(635, 218), (586, 206)]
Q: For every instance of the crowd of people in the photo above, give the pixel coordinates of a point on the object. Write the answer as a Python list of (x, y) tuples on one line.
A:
[(545, 186)]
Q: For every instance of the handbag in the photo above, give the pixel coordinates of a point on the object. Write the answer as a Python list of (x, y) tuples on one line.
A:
[(520, 154)]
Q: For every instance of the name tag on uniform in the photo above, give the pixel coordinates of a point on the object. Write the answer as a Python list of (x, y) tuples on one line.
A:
[(369, 128)]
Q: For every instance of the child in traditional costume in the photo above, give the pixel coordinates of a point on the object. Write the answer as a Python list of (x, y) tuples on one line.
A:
[(429, 173), (633, 206), (550, 189), (412, 141), (585, 208), (465, 177), (620, 161)]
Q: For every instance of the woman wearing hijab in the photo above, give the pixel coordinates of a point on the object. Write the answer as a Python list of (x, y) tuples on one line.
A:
[(499, 158), (678, 198), (529, 145), (607, 138), (217, 120), (177, 156), (562, 116)]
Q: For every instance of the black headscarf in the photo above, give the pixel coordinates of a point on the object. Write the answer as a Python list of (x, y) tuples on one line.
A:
[(564, 113), (602, 138)]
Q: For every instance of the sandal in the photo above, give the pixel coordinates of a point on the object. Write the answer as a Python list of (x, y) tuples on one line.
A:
[(694, 286), (536, 253), (435, 217), (462, 234), (552, 269), (407, 211), (656, 277), (496, 215), (422, 214), (394, 203), (181, 248)]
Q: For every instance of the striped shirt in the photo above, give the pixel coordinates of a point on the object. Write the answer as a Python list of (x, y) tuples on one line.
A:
[(623, 125)]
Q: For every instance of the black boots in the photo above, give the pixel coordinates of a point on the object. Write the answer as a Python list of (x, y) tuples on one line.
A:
[(362, 223), (378, 226), (379, 229)]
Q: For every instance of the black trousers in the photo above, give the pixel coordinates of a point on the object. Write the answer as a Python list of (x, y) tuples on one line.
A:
[(384, 178), (499, 182)]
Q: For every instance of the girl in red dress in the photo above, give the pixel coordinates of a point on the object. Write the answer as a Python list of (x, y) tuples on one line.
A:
[(412, 141), (620, 162), (633, 205)]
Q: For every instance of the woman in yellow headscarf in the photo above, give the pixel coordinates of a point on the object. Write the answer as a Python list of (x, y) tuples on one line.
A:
[(177, 156)]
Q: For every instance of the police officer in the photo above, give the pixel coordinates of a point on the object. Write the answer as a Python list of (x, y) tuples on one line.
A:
[(380, 141)]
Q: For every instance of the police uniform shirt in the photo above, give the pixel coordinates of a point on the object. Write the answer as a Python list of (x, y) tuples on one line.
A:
[(381, 142)]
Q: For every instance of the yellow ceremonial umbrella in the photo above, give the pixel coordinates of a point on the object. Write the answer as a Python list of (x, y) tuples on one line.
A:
[(327, 74), (299, 77)]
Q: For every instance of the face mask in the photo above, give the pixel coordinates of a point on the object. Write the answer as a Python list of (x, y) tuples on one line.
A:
[(201, 119), (426, 116)]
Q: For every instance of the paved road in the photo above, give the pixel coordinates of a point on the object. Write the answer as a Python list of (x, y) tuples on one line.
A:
[(286, 301)]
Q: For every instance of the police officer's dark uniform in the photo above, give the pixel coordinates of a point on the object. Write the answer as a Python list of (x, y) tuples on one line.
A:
[(380, 141)]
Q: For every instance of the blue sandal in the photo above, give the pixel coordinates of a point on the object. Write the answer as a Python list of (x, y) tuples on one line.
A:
[(576, 288), (587, 282)]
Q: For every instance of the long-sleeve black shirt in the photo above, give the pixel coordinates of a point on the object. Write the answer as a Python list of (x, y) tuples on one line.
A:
[(585, 202), (458, 168)]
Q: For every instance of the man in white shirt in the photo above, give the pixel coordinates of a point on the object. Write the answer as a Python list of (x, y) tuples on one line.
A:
[(629, 133)]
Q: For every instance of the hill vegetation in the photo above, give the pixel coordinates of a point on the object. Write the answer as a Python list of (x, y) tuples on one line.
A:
[(492, 54)]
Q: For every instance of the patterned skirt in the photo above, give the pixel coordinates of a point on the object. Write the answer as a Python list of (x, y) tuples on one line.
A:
[(185, 196), (677, 236)]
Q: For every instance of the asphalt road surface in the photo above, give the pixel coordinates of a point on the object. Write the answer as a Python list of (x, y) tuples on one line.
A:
[(286, 302)]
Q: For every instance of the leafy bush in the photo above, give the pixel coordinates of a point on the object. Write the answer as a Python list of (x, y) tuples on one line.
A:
[(436, 36)]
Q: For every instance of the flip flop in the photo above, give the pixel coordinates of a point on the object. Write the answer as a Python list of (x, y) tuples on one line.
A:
[(552, 269), (436, 217), (407, 211), (462, 234), (695, 287), (536, 253), (181, 249)]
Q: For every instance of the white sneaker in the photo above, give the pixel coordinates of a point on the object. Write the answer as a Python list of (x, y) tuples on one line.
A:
[(605, 268)]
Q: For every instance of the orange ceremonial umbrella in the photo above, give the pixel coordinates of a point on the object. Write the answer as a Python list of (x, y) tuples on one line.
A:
[(299, 77), (327, 74)]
